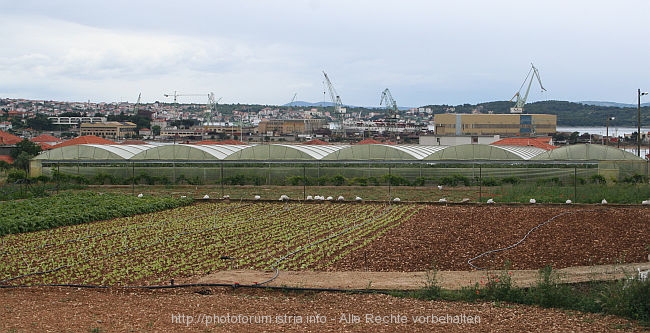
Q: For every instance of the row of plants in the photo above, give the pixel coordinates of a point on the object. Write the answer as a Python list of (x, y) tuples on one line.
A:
[(76, 207), (195, 239), (588, 193), (627, 297), (294, 178)]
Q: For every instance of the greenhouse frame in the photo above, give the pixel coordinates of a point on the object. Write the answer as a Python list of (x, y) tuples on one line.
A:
[(274, 164)]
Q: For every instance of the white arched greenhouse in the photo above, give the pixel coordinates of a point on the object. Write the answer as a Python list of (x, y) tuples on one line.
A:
[(259, 164)]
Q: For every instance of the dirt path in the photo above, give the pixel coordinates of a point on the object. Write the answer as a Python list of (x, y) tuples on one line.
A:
[(414, 280)]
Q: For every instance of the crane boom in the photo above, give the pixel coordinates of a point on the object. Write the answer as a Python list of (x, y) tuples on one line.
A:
[(334, 96), (389, 102), (212, 105), (176, 95), (137, 104), (391, 116), (521, 101), (336, 100)]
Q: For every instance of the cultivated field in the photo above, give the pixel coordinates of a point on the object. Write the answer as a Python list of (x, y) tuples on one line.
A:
[(188, 243)]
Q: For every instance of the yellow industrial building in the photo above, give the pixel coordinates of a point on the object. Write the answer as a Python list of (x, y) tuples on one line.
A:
[(505, 125), (110, 130)]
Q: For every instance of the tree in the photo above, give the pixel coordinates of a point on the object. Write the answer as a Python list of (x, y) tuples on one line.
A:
[(40, 122), (23, 152), (155, 130), (4, 166)]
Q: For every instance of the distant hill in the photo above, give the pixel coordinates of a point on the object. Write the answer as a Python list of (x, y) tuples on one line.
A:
[(568, 113), (304, 104), (612, 104)]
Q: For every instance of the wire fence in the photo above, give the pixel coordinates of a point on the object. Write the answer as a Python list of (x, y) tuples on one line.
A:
[(377, 180)]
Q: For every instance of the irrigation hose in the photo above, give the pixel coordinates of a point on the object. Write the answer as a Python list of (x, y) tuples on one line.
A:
[(469, 262), (195, 285)]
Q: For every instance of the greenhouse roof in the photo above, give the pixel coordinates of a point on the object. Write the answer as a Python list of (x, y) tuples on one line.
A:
[(587, 152), (383, 152), (189, 152), (369, 152), (286, 152), (93, 152), (470, 152)]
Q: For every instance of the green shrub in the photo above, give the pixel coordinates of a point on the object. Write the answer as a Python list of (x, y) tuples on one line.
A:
[(636, 179), (361, 181), (511, 180), (490, 181), (597, 179), (15, 175), (338, 180), (454, 180)]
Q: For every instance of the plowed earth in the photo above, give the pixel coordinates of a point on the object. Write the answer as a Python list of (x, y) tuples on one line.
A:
[(564, 236), (447, 236)]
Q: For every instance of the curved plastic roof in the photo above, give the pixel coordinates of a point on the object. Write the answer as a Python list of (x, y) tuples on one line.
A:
[(285, 152), (587, 152), (475, 152), (189, 152), (383, 152), (93, 152), (370, 152)]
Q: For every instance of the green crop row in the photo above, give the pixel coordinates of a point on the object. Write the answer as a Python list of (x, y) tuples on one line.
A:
[(194, 240), (76, 208)]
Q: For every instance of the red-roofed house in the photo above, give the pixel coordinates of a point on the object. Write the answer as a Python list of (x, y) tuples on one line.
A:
[(543, 142), (7, 159), (7, 143), (46, 139), (316, 142), (8, 138), (374, 142), (86, 139)]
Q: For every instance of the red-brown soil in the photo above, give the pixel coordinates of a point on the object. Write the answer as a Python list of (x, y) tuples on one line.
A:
[(445, 235), (448, 236)]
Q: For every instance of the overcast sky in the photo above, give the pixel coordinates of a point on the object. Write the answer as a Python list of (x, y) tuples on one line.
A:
[(264, 52)]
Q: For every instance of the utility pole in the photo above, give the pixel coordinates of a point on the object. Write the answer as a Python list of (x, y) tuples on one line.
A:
[(638, 122)]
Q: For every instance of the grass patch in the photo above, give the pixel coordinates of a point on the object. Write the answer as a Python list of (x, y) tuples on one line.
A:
[(626, 298), (621, 193)]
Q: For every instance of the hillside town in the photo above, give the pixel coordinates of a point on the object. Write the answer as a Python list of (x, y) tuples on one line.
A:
[(175, 121)]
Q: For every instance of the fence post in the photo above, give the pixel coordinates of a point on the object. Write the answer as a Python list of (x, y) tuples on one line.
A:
[(389, 179), (132, 178), (480, 182), (304, 183), (575, 184)]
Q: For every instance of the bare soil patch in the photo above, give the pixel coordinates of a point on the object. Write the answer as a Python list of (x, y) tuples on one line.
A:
[(449, 236), (57, 309)]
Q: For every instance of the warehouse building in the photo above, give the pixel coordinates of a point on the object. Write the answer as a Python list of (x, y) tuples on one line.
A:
[(504, 125)]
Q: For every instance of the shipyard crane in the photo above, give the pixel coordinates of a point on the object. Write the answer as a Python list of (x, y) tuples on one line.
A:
[(212, 105), (391, 105), (137, 104), (176, 95), (519, 104), (336, 100), (292, 100), (389, 102)]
